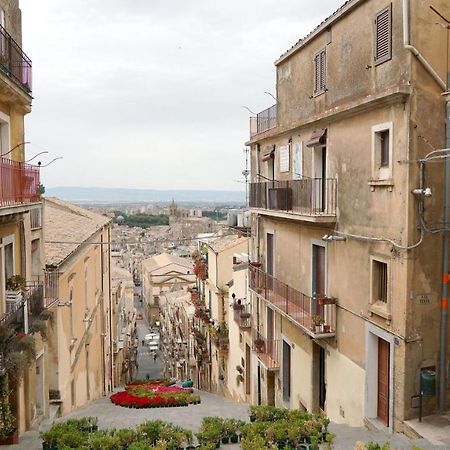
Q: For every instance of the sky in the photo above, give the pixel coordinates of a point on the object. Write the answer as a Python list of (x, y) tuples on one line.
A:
[(148, 93)]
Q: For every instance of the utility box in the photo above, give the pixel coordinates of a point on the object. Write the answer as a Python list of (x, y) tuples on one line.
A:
[(428, 383)]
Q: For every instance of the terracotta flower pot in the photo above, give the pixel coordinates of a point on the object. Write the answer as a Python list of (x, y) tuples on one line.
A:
[(11, 439)]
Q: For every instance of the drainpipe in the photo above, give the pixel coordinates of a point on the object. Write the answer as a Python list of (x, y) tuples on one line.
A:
[(445, 266), (446, 218), (414, 50)]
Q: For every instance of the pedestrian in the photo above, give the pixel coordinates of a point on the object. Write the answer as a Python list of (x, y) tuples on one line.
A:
[(143, 342), (154, 357)]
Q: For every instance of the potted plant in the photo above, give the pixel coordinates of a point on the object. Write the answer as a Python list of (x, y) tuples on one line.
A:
[(318, 323), (15, 285), (8, 431)]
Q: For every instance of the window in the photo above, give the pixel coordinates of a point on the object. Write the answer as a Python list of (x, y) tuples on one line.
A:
[(320, 72), (383, 35), (380, 289), (380, 280), (382, 151)]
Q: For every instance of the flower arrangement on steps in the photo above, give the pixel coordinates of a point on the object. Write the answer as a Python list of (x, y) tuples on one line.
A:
[(153, 434), (154, 394)]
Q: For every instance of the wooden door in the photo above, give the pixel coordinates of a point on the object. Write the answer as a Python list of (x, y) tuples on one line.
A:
[(270, 326), (271, 388), (248, 369), (322, 381), (383, 381)]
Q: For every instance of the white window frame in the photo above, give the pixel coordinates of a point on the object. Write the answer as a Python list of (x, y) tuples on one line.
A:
[(6, 240), (378, 172), (375, 306)]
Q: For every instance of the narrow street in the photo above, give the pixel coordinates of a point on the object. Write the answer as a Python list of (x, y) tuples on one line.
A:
[(147, 366)]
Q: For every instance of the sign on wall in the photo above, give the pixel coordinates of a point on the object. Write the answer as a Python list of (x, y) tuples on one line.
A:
[(284, 158), (297, 163)]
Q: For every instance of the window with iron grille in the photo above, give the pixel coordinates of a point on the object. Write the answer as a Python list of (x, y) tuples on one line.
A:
[(383, 35), (320, 72), (380, 281)]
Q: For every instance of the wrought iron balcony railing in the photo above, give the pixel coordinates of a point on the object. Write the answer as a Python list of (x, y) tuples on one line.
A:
[(315, 315), (265, 120), (19, 183), (266, 350), (14, 62), (308, 196)]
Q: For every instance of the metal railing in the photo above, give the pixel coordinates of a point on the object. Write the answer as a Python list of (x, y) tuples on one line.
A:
[(19, 182), (316, 315), (242, 315), (15, 316), (14, 62), (266, 350), (51, 287), (308, 196), (265, 120)]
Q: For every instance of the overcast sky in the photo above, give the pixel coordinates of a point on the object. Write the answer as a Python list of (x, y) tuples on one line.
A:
[(149, 93)]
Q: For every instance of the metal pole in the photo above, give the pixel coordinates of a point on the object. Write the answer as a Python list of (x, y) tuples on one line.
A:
[(445, 266)]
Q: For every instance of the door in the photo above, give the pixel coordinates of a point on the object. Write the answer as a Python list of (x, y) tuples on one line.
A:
[(319, 180), (270, 325), (318, 276), (322, 382), (271, 388), (259, 385), (270, 263), (248, 369), (286, 372), (383, 381)]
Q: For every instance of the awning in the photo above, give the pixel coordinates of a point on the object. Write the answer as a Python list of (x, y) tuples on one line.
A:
[(269, 153), (319, 137)]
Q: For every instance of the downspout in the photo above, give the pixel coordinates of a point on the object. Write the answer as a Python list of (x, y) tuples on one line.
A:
[(414, 50), (446, 218), (445, 265)]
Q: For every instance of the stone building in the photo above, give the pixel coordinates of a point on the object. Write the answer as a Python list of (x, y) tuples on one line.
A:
[(77, 254), (346, 256)]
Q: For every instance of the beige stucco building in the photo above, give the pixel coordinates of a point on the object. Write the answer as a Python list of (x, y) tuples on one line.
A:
[(346, 275), (159, 274), (21, 249), (123, 329), (77, 254)]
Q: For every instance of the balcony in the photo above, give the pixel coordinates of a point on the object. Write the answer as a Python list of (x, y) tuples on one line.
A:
[(19, 183), (14, 62), (51, 287), (265, 120), (315, 315), (266, 350), (242, 315), (314, 199)]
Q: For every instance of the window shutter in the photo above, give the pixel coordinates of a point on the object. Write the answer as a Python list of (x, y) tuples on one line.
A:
[(320, 72), (383, 35)]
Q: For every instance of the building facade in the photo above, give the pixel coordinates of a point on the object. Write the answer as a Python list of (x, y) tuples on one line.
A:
[(159, 274), (77, 257), (22, 302), (346, 255)]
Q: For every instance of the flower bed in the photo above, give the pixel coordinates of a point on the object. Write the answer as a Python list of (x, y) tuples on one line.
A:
[(154, 394)]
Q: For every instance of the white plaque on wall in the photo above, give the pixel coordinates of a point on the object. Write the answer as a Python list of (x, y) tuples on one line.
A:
[(284, 158)]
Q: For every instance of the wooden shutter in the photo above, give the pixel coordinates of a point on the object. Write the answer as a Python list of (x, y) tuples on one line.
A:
[(383, 35), (320, 72)]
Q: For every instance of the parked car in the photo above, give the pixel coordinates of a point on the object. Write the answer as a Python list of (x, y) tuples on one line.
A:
[(153, 346)]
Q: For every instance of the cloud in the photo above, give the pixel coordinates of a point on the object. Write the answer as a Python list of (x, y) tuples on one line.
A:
[(149, 93)]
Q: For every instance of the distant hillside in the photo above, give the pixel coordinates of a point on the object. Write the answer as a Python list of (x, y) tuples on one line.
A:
[(106, 195)]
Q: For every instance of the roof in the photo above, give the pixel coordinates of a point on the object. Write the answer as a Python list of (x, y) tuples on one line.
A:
[(65, 222), (223, 243), (337, 15), (165, 259)]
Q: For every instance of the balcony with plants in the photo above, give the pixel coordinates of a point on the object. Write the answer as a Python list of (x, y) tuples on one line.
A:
[(266, 350), (241, 313), (315, 315)]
